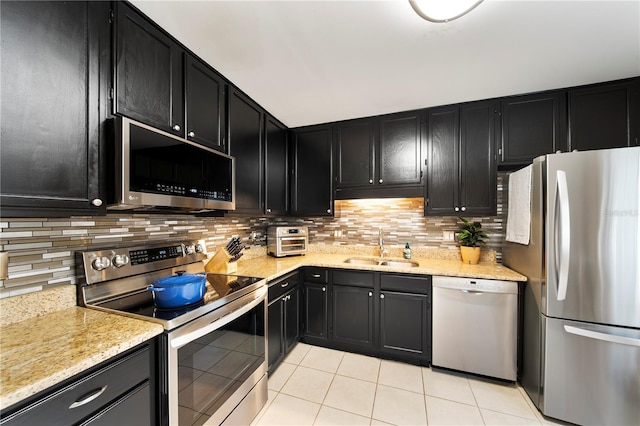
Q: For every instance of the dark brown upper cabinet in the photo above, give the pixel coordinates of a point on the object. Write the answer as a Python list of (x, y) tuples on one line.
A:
[(604, 115), (246, 145), (461, 160), (159, 83), (148, 72), (276, 167), (205, 105), (55, 65), (532, 125), (379, 156), (311, 171)]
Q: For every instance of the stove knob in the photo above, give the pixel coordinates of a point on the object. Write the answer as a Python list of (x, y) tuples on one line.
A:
[(188, 249), (199, 248), (119, 260), (101, 263)]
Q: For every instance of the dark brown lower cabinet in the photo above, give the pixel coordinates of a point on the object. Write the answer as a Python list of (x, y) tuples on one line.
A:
[(315, 311), (404, 323), (353, 316), (121, 390)]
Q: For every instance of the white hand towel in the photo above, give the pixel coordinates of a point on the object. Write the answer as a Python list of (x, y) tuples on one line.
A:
[(519, 213)]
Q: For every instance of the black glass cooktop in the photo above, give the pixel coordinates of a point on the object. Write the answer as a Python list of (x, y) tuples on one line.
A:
[(218, 287)]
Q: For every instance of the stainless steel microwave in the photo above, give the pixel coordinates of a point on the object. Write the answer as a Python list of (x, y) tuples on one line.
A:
[(155, 170)]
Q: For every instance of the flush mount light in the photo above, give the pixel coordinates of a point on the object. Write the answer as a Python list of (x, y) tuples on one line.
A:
[(440, 11)]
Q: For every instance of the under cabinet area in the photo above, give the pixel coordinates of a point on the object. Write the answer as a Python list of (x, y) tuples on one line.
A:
[(315, 315), (284, 317), (119, 391)]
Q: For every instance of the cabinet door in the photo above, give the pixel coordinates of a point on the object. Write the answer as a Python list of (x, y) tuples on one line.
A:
[(275, 338), (355, 142), (205, 105), (477, 158), (353, 316), (148, 73), (533, 125), (442, 160), (276, 168), (291, 319), (399, 159), (604, 116), (54, 56), (133, 409), (245, 143), (315, 310), (404, 323), (311, 188)]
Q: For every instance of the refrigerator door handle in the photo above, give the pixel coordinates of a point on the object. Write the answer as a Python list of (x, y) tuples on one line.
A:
[(563, 233), (630, 341)]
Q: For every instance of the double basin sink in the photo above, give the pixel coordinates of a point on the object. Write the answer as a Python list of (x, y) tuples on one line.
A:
[(394, 263)]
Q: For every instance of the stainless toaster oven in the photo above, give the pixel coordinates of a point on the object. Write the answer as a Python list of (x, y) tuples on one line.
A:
[(287, 240)]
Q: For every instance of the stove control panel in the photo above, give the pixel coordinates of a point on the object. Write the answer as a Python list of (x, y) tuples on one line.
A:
[(105, 265)]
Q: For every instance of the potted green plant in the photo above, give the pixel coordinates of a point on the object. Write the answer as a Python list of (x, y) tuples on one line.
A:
[(471, 238)]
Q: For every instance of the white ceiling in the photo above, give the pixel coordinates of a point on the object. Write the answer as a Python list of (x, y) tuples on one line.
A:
[(310, 62)]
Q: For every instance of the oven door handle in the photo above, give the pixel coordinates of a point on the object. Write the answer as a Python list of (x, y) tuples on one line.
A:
[(220, 320)]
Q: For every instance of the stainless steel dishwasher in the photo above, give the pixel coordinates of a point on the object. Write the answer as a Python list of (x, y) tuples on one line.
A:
[(475, 325)]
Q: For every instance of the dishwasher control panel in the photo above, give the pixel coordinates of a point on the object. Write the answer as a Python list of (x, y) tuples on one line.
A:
[(475, 284)]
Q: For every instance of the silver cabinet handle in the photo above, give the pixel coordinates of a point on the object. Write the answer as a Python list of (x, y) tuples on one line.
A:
[(328, 210), (562, 233), (316, 275), (176, 127), (463, 208), (191, 134), (96, 202), (370, 180), (612, 338), (370, 294), (90, 397), (456, 209), (382, 296), (284, 285), (324, 289), (380, 181), (268, 210)]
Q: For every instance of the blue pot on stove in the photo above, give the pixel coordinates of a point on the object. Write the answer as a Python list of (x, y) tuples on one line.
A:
[(178, 290)]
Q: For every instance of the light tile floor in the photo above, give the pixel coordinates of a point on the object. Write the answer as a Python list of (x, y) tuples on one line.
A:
[(319, 386)]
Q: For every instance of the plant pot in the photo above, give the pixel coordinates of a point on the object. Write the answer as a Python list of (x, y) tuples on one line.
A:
[(470, 255)]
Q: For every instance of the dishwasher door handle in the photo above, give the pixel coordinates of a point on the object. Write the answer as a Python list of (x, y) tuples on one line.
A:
[(472, 291)]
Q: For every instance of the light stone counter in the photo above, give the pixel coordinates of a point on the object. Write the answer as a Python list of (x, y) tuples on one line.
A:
[(42, 351), (272, 268)]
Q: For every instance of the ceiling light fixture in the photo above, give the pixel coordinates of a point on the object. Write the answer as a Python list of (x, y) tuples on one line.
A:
[(441, 11)]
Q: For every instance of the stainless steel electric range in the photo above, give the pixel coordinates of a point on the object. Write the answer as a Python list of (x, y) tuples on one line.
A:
[(213, 352)]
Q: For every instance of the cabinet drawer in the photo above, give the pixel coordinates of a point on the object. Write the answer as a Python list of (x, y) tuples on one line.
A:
[(406, 284), (356, 279), (280, 286), (316, 275), (98, 389)]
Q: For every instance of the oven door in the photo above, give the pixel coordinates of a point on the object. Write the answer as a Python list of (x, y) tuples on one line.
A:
[(217, 363), (292, 245)]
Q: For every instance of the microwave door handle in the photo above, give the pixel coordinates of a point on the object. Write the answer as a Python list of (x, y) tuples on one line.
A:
[(562, 230), (606, 337)]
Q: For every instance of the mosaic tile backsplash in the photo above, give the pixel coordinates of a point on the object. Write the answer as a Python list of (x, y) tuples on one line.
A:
[(42, 250)]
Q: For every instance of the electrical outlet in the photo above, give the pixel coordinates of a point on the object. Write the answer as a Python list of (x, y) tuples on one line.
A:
[(4, 265), (337, 233), (447, 236)]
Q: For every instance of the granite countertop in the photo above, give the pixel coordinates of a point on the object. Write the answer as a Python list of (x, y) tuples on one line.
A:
[(42, 351), (272, 268)]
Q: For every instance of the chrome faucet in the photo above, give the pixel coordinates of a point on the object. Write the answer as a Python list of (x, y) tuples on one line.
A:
[(381, 243)]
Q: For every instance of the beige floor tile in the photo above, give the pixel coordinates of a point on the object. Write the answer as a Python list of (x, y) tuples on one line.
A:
[(271, 396), (331, 417), (447, 385), (360, 367), (352, 395), (446, 412), (401, 375), (399, 407), (279, 377), (323, 359), (375, 422), (309, 384), (298, 352), (504, 398), (494, 418), (287, 410)]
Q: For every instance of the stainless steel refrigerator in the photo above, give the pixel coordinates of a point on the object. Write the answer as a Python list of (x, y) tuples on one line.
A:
[(581, 316)]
